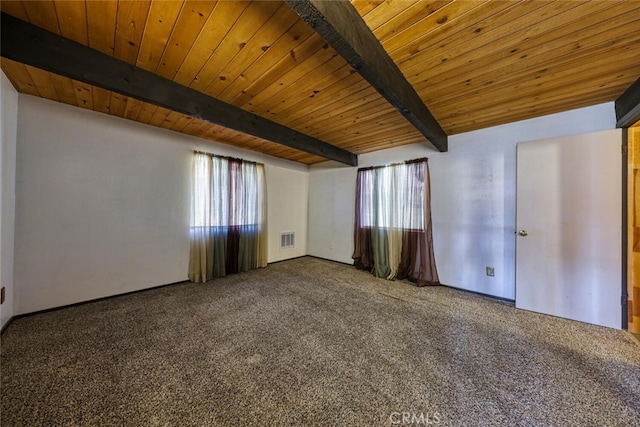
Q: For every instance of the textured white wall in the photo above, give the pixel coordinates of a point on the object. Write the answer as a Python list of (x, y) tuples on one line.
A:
[(473, 198), (103, 204), (9, 123)]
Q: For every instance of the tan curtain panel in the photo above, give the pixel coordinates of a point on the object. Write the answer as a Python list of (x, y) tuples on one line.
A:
[(393, 233), (262, 238), (228, 231)]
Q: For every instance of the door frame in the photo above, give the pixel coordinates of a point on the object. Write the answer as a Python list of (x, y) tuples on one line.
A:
[(624, 298)]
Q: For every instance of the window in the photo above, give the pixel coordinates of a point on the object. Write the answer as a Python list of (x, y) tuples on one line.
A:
[(393, 197), (235, 187)]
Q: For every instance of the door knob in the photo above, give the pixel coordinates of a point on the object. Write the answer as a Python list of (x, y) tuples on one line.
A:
[(523, 233)]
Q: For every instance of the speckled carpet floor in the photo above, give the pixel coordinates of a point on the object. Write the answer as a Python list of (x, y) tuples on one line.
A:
[(311, 342)]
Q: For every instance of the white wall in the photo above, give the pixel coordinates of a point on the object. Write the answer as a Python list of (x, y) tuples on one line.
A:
[(9, 123), (473, 198), (287, 196), (103, 204)]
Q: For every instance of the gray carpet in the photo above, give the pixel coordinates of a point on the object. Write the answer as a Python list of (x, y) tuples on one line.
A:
[(311, 342)]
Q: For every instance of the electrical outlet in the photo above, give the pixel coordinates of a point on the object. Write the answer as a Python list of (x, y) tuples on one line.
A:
[(2, 292), (490, 272)]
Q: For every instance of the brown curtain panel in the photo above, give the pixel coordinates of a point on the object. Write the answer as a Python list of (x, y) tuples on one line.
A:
[(393, 233)]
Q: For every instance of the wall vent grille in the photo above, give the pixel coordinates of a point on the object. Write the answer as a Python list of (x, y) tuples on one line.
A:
[(287, 240)]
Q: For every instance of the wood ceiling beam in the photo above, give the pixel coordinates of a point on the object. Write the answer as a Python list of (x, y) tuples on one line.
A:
[(628, 106), (28, 44), (340, 25)]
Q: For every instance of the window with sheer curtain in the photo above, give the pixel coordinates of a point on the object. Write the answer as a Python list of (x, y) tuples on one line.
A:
[(228, 217), (393, 236)]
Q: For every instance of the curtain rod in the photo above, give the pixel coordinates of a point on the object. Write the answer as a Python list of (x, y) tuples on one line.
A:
[(226, 157), (406, 162)]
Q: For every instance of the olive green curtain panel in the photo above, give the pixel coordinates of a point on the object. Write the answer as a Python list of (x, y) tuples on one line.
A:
[(228, 231), (393, 233)]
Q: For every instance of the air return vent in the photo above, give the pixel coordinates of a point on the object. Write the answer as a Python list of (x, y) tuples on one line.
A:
[(287, 240)]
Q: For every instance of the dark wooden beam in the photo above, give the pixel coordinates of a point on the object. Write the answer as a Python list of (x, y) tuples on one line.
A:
[(340, 25), (28, 44), (628, 106)]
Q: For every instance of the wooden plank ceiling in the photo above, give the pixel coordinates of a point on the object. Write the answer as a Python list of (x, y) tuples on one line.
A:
[(473, 63)]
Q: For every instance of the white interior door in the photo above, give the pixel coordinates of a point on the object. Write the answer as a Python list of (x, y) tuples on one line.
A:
[(569, 220)]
